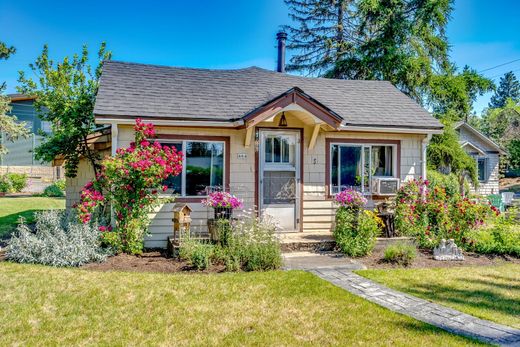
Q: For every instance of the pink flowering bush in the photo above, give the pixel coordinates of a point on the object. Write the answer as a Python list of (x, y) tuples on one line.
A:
[(222, 200), (350, 198), (430, 214), (130, 182)]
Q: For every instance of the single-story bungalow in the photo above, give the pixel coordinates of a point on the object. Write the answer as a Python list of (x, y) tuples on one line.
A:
[(282, 143), (487, 155)]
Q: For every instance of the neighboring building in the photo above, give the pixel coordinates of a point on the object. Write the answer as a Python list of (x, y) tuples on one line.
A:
[(487, 155), (285, 144), (20, 158)]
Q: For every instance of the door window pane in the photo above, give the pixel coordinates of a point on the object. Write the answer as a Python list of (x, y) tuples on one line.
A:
[(204, 166), (279, 187), (269, 149), (276, 149)]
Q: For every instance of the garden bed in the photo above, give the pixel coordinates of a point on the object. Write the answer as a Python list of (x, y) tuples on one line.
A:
[(150, 261), (424, 259)]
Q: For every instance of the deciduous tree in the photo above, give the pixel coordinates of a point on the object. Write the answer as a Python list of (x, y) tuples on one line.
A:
[(65, 95)]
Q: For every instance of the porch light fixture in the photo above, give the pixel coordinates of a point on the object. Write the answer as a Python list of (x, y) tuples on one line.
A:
[(283, 121)]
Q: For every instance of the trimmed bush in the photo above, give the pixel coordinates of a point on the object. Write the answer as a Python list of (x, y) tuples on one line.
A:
[(57, 189), (59, 240), (18, 182), (355, 232), (400, 253)]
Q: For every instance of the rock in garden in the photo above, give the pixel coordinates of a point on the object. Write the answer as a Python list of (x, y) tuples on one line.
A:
[(447, 251)]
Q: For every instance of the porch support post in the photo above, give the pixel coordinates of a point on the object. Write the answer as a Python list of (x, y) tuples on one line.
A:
[(314, 136), (114, 137), (425, 142), (249, 136)]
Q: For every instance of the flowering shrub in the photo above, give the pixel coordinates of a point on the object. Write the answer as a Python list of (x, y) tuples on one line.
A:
[(355, 234), (431, 214), (350, 198), (222, 200), (130, 183)]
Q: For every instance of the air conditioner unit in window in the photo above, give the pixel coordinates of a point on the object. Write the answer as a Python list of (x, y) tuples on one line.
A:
[(385, 185)]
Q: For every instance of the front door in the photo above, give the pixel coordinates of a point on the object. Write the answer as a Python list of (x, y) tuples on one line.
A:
[(279, 177)]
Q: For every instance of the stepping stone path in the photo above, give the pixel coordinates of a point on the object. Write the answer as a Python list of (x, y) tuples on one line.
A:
[(423, 310)]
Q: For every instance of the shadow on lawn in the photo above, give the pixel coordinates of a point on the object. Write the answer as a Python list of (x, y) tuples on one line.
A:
[(9, 222), (480, 298)]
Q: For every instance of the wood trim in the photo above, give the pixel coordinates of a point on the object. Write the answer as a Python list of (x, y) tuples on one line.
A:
[(257, 166), (227, 156), (293, 96), (330, 140)]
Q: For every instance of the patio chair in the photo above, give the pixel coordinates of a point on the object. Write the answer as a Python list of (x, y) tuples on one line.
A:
[(507, 198), (496, 200)]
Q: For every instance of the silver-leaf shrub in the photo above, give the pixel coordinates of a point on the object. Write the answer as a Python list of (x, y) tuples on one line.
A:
[(58, 240)]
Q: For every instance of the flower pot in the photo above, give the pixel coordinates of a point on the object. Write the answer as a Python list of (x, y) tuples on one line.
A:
[(223, 212)]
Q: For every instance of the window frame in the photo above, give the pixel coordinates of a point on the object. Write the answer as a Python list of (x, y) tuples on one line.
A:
[(165, 139), (362, 143)]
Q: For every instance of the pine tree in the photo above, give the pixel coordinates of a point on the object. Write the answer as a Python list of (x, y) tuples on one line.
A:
[(323, 35), (10, 129), (509, 88)]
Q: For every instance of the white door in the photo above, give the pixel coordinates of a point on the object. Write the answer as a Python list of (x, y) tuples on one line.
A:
[(279, 173)]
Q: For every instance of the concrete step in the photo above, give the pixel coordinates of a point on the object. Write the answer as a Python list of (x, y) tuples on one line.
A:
[(319, 260)]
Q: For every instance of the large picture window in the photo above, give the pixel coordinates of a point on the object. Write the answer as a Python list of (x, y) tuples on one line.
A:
[(203, 167), (354, 165)]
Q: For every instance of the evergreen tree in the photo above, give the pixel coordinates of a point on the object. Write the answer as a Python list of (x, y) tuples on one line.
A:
[(324, 33), (508, 88), (10, 129)]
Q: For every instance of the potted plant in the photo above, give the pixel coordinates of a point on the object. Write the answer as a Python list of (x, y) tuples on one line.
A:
[(223, 204)]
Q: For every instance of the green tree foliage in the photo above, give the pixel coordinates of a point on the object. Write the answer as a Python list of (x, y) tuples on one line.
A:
[(508, 88), (447, 156), (402, 41), (65, 95), (452, 94), (502, 125), (324, 33), (10, 129)]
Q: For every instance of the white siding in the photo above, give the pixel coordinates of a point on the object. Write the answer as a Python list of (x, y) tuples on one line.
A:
[(491, 184), (318, 211)]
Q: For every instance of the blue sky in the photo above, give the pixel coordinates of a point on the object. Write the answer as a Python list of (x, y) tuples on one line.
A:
[(220, 34)]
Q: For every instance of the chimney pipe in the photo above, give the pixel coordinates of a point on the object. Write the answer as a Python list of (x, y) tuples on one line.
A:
[(281, 37)]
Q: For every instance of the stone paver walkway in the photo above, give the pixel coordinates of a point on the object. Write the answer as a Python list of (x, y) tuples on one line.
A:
[(423, 310)]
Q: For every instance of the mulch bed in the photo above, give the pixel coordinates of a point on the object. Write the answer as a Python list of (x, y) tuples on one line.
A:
[(151, 261), (424, 259)]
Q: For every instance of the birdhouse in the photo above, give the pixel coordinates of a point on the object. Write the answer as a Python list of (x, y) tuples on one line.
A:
[(181, 213), (181, 221)]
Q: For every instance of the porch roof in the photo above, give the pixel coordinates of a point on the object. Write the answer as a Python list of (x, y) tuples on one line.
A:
[(129, 90)]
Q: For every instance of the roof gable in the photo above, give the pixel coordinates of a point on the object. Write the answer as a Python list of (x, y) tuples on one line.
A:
[(490, 144)]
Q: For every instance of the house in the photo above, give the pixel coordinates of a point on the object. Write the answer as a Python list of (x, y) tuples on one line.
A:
[(284, 144), (486, 153), (20, 158)]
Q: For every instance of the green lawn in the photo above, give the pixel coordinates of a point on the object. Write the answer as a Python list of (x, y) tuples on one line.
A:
[(11, 208), (491, 292), (49, 306)]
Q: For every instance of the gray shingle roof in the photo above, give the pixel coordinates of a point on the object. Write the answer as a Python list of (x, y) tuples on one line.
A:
[(129, 89)]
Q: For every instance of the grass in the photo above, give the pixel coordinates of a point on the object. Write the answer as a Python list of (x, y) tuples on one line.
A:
[(49, 306), (490, 292), (12, 208)]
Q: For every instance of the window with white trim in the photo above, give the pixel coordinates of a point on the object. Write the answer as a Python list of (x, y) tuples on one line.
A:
[(202, 167), (354, 165)]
